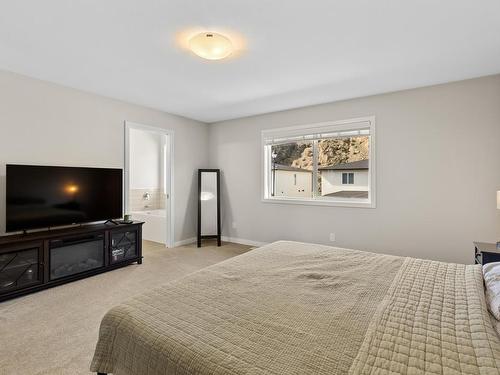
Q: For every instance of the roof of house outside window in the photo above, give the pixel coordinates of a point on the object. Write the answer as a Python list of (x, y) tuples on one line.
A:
[(355, 165), (281, 167), (349, 194)]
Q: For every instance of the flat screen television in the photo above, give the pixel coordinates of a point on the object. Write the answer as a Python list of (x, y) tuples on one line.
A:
[(45, 196)]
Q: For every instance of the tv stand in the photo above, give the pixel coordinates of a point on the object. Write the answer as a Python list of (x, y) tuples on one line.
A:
[(33, 261)]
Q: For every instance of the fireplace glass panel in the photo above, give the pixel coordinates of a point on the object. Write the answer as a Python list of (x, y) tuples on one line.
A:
[(76, 258)]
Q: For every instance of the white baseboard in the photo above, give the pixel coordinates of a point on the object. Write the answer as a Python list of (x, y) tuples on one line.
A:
[(187, 241), (243, 241)]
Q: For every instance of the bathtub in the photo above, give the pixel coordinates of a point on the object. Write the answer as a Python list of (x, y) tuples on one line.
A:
[(155, 227)]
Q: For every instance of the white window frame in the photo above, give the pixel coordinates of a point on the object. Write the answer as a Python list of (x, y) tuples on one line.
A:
[(330, 126)]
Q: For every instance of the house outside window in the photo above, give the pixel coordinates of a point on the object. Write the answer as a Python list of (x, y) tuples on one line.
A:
[(330, 163)]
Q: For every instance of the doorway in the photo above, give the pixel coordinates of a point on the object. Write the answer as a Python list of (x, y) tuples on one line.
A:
[(149, 180)]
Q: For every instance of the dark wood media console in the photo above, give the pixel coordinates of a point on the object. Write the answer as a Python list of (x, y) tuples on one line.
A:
[(39, 260)]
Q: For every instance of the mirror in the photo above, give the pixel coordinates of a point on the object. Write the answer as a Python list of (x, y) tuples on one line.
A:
[(209, 205)]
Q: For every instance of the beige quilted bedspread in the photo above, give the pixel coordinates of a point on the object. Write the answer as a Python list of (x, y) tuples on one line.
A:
[(433, 321), (294, 308)]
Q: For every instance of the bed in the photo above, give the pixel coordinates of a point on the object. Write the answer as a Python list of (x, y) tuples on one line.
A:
[(296, 308)]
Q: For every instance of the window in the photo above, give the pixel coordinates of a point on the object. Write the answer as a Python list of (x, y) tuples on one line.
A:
[(315, 164), (347, 178)]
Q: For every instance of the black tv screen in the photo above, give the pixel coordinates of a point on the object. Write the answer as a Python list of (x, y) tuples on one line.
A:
[(44, 196)]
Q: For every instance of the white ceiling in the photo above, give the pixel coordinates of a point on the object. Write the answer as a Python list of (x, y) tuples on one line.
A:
[(297, 52)]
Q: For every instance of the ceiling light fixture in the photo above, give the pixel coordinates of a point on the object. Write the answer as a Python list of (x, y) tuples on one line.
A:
[(211, 46)]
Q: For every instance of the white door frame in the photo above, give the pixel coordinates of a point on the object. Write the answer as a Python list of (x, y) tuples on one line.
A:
[(169, 203)]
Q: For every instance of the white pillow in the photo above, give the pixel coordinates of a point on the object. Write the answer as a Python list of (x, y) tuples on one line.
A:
[(491, 275)]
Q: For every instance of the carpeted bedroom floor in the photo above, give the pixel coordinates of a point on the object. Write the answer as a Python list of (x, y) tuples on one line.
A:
[(54, 331)]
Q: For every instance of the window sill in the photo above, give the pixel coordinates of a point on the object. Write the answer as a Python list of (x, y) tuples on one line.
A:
[(355, 203)]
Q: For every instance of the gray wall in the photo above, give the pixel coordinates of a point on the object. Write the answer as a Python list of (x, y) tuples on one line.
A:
[(438, 163), (44, 123), (438, 168)]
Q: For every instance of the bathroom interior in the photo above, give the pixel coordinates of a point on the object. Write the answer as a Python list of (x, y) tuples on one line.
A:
[(148, 182)]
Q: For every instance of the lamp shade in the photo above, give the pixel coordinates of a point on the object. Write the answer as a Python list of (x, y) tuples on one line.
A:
[(498, 199)]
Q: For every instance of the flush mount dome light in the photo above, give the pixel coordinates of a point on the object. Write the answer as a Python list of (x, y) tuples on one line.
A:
[(211, 46)]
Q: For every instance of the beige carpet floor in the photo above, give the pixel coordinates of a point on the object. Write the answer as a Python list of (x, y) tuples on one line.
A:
[(54, 331)]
